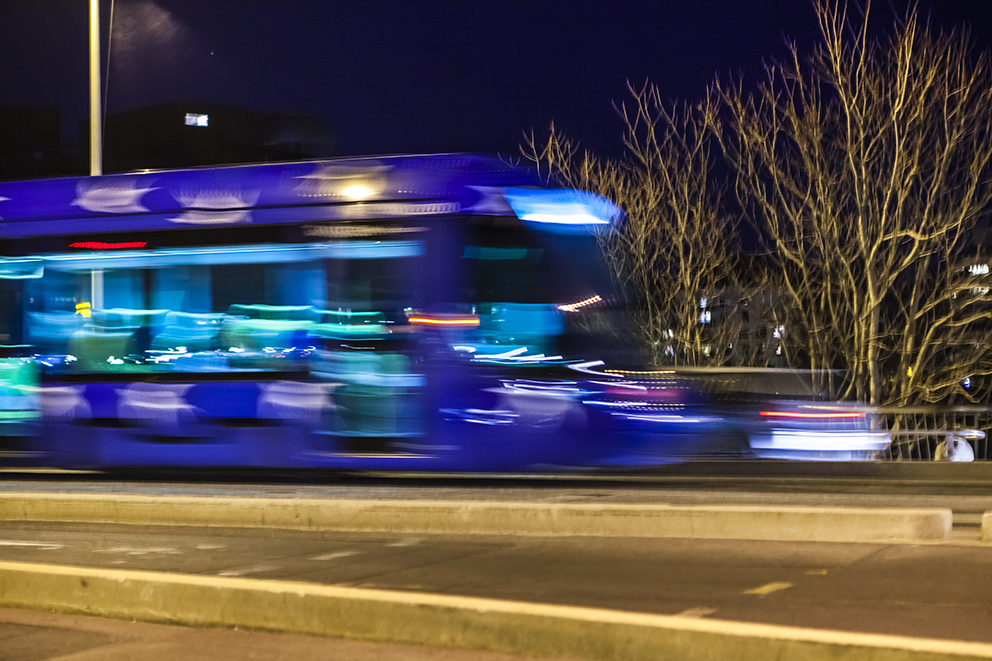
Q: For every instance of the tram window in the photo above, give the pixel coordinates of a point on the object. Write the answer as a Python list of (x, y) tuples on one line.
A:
[(182, 289), (132, 313), (11, 300), (368, 285), (58, 291), (233, 284), (506, 274), (503, 264), (125, 288)]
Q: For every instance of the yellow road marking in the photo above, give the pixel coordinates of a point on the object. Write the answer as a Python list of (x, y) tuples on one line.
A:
[(768, 588)]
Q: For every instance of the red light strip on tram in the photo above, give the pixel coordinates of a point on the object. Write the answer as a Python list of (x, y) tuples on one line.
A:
[(792, 414), (100, 245), (443, 321)]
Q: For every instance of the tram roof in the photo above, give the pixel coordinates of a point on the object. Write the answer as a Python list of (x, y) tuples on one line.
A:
[(225, 195), (313, 191)]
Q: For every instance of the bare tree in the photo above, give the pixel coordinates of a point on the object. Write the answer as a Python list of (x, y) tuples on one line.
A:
[(673, 252), (867, 167)]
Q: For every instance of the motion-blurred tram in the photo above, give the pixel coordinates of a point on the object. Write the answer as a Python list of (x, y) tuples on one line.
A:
[(394, 313), (407, 313)]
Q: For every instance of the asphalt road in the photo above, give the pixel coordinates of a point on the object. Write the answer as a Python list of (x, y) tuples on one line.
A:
[(939, 590), (932, 590)]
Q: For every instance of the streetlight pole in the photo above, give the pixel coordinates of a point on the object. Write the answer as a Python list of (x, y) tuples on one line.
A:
[(96, 138), (96, 134)]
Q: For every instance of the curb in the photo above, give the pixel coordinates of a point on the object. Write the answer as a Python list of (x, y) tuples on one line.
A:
[(940, 472), (445, 621), (770, 523)]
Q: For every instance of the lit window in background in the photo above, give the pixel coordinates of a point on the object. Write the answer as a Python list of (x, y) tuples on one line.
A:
[(572, 307), (196, 119)]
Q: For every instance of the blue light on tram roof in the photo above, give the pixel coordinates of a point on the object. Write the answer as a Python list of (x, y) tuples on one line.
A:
[(561, 207)]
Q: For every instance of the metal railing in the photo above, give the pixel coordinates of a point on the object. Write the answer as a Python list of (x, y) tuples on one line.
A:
[(922, 433), (935, 433)]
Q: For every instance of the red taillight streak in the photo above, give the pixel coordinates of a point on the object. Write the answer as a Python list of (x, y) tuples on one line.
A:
[(790, 414), (434, 321)]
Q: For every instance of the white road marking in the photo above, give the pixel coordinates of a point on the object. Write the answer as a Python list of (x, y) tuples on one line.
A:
[(335, 555), (413, 541), (209, 547), (700, 611), (768, 588), (141, 551), (816, 572), (44, 546), (248, 570)]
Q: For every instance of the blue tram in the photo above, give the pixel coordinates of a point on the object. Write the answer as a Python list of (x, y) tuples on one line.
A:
[(392, 313), (407, 313)]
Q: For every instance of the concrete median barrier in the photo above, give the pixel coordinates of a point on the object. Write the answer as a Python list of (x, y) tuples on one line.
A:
[(444, 621), (987, 527), (773, 523)]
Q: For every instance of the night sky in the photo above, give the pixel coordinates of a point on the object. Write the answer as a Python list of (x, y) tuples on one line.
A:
[(411, 75)]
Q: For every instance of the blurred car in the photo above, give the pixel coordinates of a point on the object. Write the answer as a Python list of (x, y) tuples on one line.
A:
[(815, 431), (673, 415)]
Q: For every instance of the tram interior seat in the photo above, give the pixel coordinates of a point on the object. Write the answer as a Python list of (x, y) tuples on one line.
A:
[(275, 312), (377, 387), (374, 393), (258, 327), (49, 332), (347, 324), (19, 396), (194, 331), (113, 334)]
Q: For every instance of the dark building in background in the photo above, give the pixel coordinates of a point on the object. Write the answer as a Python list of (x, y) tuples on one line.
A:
[(31, 146), (175, 135), (170, 135)]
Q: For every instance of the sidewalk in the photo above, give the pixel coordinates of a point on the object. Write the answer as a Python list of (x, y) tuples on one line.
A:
[(27, 635)]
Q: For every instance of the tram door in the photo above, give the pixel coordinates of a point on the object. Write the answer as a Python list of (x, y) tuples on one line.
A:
[(370, 357)]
